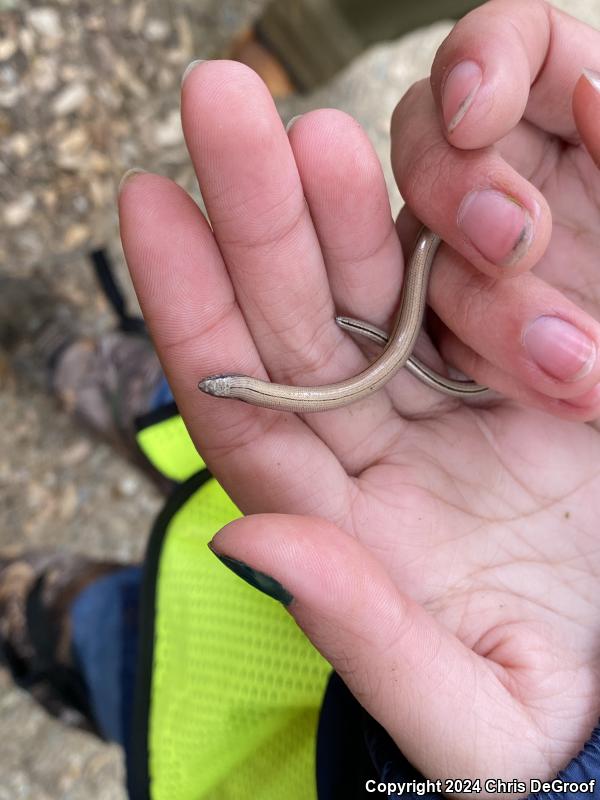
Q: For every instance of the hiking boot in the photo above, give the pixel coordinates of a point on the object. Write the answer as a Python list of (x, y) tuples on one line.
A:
[(37, 589), (107, 382)]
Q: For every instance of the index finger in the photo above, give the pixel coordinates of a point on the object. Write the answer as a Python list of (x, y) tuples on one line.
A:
[(507, 60)]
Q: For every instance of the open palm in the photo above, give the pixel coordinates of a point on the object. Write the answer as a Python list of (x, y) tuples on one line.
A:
[(444, 558)]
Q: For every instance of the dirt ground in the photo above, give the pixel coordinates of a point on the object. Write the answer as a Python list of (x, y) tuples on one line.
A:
[(87, 91)]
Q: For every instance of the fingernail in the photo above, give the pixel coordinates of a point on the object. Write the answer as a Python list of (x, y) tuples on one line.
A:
[(259, 580), (291, 122), (499, 227), (593, 77), (460, 88), (129, 174), (190, 67), (559, 348)]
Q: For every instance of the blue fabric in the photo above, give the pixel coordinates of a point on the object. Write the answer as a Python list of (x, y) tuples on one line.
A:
[(344, 727), (394, 768), (584, 768), (343, 762), (162, 395), (104, 618)]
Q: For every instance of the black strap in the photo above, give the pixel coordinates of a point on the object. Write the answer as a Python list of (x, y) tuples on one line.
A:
[(114, 294)]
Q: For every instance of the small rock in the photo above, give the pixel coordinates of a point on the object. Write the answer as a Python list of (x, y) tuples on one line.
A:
[(8, 47), (74, 142), (27, 41), (45, 21), (108, 96), (137, 15), (67, 505), (18, 212), (98, 162), (75, 235), (102, 192), (156, 30), (9, 75), (19, 145), (10, 97), (128, 486), (184, 52), (49, 198), (72, 147), (126, 76), (164, 78), (44, 74), (38, 496), (80, 203), (70, 99), (68, 162), (168, 131), (95, 22), (76, 454), (69, 72)]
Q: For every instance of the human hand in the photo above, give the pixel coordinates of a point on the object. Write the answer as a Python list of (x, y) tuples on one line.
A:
[(507, 112), (443, 558)]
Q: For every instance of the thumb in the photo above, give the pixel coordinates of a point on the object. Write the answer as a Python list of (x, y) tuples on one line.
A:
[(411, 674), (586, 110)]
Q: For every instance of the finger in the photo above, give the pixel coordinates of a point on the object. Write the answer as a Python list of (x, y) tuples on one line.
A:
[(524, 327), (582, 408), (508, 59), (475, 201), (489, 333), (586, 110), (189, 305), (345, 188), (253, 194), (346, 192), (393, 656)]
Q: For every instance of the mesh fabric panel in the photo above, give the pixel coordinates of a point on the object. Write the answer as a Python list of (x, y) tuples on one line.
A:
[(236, 686), (167, 445)]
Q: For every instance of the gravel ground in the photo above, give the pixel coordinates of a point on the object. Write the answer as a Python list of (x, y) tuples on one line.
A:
[(87, 91)]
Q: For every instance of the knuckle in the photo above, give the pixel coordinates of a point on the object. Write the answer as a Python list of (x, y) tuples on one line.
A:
[(272, 222), (426, 172), (475, 304)]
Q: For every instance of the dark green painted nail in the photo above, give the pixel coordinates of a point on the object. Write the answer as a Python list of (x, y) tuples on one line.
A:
[(259, 580)]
